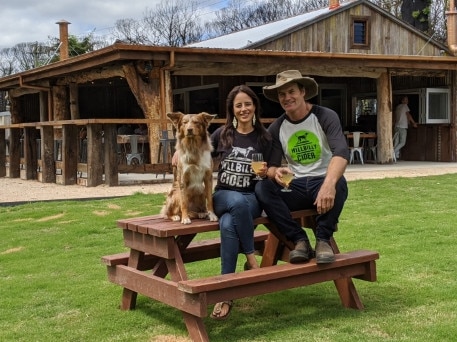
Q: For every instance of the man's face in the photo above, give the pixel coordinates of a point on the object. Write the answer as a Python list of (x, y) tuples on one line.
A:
[(291, 96)]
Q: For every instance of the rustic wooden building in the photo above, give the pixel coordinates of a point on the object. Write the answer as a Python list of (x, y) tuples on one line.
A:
[(362, 57)]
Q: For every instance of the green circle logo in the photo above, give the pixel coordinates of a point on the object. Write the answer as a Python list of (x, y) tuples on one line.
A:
[(304, 147)]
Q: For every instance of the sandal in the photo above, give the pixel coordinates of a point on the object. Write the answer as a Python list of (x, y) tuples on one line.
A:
[(216, 314)]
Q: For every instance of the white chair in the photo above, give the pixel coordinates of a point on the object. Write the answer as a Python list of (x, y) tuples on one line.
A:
[(135, 157), (394, 142), (356, 147)]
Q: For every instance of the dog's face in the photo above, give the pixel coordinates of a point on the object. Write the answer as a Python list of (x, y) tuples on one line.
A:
[(190, 125)]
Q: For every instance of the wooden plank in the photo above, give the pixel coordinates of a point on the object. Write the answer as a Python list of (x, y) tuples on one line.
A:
[(197, 250), (285, 271), (163, 248), (163, 227), (157, 288), (146, 168)]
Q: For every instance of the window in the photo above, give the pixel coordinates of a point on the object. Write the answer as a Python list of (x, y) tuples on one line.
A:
[(360, 33), (437, 106)]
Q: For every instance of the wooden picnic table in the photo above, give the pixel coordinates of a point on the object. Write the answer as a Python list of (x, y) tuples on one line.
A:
[(164, 247)]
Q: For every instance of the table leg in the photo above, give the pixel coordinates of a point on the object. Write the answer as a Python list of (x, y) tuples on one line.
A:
[(277, 247), (195, 327), (128, 296), (346, 288)]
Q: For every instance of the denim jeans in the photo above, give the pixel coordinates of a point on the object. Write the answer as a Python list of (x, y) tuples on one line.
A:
[(401, 140), (236, 211), (278, 205)]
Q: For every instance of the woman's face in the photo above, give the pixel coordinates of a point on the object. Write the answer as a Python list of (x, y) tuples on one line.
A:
[(243, 108)]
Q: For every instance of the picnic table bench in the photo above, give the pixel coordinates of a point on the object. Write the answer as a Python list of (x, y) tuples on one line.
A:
[(162, 247)]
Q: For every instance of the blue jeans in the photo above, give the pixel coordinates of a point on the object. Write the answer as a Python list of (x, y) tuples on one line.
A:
[(401, 140), (236, 211), (278, 205)]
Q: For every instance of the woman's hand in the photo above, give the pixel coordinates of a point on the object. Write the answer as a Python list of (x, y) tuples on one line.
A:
[(174, 159), (263, 171)]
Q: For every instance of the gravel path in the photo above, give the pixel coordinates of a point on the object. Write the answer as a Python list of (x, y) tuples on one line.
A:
[(19, 190)]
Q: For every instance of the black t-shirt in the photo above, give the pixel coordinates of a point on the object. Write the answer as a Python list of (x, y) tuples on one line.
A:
[(235, 172)]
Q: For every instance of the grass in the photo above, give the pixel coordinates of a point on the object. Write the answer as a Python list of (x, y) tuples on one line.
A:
[(53, 286)]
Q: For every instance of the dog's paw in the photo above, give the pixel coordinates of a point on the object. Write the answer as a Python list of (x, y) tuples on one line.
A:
[(202, 215), (186, 220), (212, 217), (176, 218)]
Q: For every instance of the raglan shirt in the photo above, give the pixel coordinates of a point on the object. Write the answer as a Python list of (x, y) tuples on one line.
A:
[(308, 144), (235, 172)]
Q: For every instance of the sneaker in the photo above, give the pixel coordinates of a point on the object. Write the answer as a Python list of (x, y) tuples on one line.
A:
[(301, 252), (324, 253)]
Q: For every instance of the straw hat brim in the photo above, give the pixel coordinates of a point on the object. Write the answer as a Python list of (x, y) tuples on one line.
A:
[(310, 85)]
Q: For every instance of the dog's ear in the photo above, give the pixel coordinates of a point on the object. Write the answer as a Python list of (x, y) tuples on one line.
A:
[(175, 118), (208, 117)]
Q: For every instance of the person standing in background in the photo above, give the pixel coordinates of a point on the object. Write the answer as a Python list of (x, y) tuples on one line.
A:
[(402, 119)]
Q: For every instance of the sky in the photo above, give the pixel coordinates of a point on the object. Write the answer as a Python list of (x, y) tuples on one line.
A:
[(35, 21)]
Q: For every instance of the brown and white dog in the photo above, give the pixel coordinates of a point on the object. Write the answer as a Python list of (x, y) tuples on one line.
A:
[(191, 193)]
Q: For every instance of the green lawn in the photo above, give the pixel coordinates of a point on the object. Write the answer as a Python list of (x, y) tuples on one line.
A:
[(53, 286)]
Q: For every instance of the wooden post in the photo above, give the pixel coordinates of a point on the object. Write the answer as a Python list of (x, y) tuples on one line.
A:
[(43, 106), (70, 138), (2, 153), (48, 163), (384, 120), (94, 155), (74, 107), (111, 157), (15, 153), (148, 97), (30, 153), (60, 102)]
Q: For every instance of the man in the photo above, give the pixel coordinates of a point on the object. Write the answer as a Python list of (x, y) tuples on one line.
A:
[(311, 140), (402, 119)]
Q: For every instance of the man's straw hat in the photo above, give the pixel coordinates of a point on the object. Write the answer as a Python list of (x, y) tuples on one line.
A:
[(289, 76)]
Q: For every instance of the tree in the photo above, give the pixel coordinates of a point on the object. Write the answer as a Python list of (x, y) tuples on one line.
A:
[(132, 31), (76, 46), (426, 15), (7, 62), (30, 55), (239, 14), (416, 13), (175, 23)]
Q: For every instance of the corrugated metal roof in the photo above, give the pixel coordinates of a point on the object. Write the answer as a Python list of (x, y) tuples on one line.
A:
[(248, 37)]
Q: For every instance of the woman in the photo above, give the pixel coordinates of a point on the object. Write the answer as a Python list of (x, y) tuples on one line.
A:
[(234, 199)]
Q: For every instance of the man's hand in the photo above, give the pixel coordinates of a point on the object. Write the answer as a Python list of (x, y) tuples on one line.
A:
[(325, 198), (279, 172)]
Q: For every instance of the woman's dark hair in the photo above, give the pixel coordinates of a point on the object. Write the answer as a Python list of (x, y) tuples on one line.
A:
[(228, 131)]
